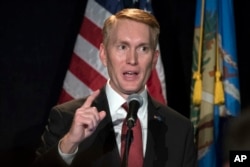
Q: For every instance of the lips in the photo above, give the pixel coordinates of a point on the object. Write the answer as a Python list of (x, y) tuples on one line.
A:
[(130, 73)]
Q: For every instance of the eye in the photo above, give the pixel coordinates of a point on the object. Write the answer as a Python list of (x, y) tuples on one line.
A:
[(143, 49), (122, 47)]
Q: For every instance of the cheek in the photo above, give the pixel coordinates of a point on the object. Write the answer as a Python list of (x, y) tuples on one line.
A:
[(149, 65), (113, 65)]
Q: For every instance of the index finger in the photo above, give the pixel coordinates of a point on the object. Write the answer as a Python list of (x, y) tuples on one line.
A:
[(90, 99)]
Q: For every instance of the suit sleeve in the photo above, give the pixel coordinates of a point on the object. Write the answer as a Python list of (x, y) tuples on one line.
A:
[(58, 125)]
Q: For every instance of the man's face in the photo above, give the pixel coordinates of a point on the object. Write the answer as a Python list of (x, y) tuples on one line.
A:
[(129, 56)]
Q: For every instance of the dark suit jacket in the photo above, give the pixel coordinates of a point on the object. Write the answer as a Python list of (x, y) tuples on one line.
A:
[(169, 141)]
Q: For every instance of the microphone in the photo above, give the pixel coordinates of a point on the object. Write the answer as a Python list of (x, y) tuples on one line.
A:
[(134, 101)]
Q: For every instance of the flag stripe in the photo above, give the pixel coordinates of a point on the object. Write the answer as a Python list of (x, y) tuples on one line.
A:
[(90, 55), (64, 97), (92, 78), (161, 78), (75, 87), (153, 84), (96, 13), (91, 32)]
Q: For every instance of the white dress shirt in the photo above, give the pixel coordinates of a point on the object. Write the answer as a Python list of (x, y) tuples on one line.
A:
[(118, 114)]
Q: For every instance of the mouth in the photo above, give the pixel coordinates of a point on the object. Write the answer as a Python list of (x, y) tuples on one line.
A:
[(130, 73)]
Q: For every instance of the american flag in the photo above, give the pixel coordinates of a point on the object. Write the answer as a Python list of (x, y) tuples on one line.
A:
[(86, 72)]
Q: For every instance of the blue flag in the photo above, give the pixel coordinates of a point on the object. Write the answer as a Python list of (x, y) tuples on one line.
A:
[(215, 86)]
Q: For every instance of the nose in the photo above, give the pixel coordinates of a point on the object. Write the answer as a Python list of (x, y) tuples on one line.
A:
[(132, 58)]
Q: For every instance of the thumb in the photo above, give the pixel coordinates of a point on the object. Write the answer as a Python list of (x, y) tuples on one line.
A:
[(102, 115)]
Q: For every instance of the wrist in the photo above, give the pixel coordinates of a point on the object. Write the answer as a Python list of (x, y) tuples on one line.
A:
[(67, 146)]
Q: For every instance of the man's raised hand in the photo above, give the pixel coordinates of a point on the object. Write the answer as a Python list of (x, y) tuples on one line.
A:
[(85, 121)]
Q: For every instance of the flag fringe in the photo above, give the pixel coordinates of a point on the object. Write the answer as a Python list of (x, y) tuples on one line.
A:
[(218, 89), (197, 88)]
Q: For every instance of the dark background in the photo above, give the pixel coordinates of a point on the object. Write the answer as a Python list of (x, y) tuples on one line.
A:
[(36, 43)]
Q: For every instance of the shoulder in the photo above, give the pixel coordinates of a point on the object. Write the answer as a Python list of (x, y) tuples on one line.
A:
[(69, 106), (61, 115), (171, 116), (72, 105), (65, 112)]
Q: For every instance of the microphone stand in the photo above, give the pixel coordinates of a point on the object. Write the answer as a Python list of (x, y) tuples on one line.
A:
[(129, 137)]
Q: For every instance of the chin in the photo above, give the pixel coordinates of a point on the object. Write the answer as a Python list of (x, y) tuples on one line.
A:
[(131, 87), (130, 90)]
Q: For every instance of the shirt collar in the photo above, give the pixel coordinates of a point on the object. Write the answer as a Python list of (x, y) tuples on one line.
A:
[(115, 100)]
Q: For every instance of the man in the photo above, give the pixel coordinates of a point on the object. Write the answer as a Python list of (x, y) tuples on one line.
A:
[(87, 132)]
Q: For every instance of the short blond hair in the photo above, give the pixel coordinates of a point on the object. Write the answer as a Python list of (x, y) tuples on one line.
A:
[(135, 15)]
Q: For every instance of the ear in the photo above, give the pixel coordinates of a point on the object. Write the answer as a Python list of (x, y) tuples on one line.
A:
[(155, 58), (102, 54)]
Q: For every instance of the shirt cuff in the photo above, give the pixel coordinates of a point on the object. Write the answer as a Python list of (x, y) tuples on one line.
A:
[(68, 158)]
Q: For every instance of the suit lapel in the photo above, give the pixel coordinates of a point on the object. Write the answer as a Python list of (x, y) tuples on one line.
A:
[(107, 134), (156, 151)]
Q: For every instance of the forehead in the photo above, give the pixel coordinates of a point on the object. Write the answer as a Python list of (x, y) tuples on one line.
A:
[(130, 29), (128, 24)]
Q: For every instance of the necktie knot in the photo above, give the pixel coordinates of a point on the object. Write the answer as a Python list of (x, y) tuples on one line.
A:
[(125, 106)]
